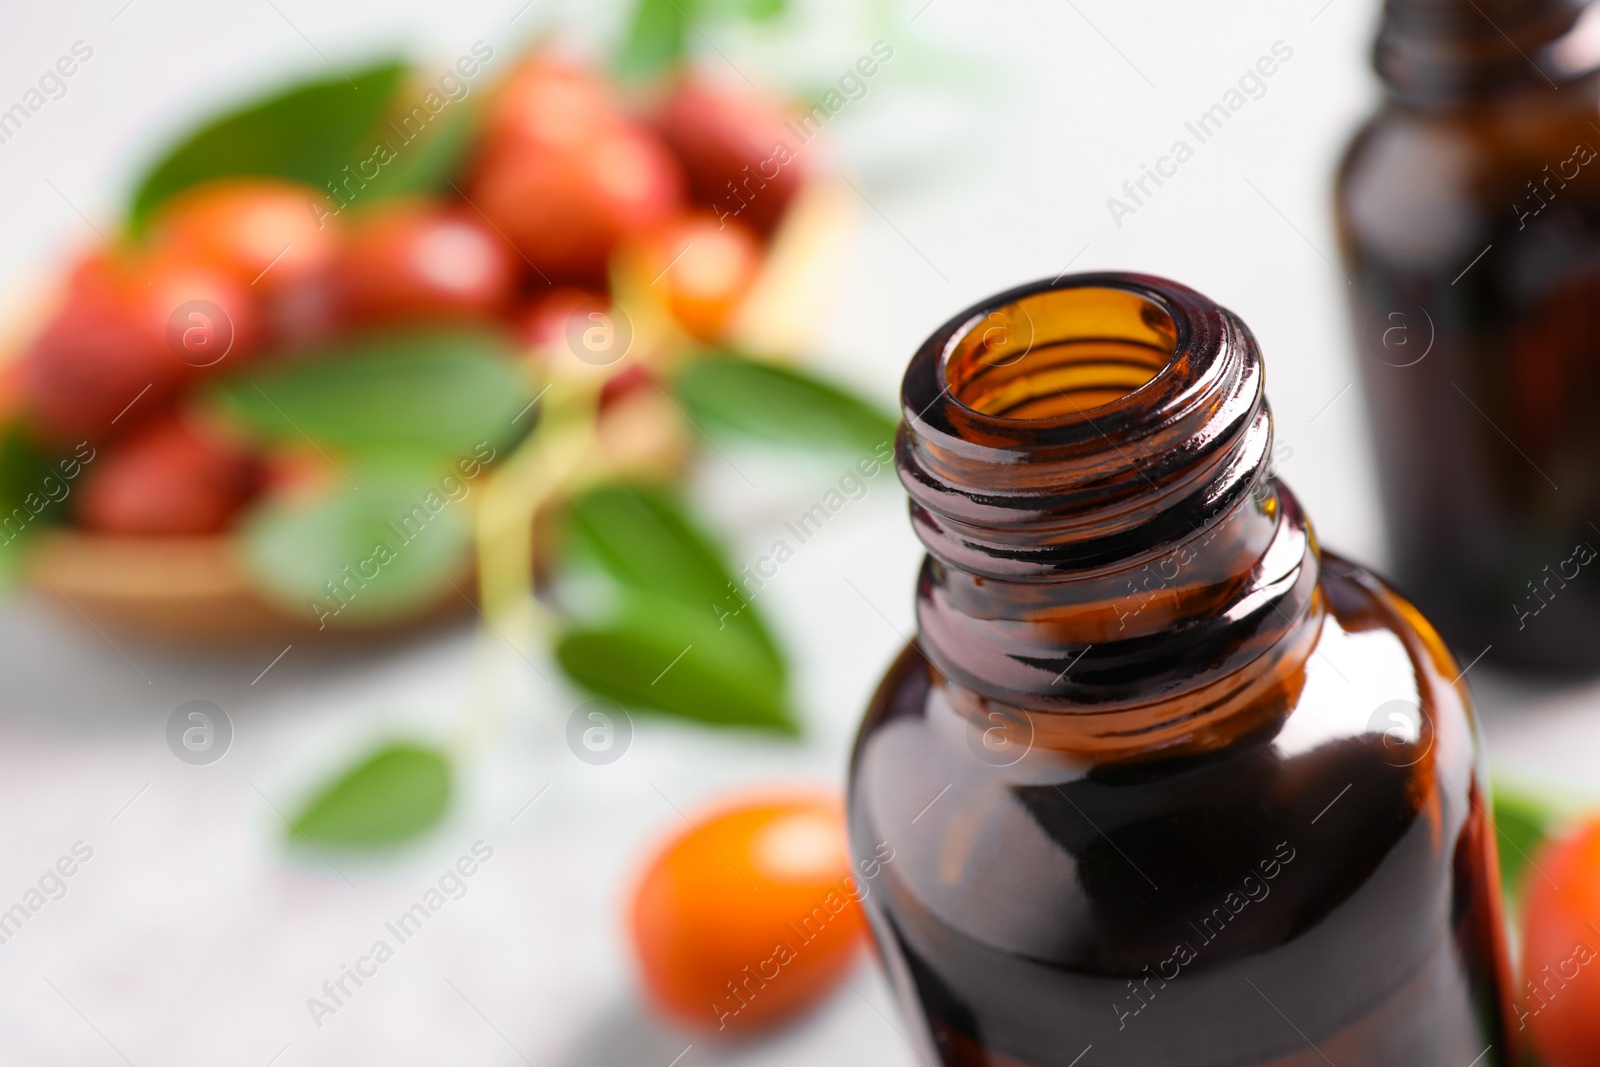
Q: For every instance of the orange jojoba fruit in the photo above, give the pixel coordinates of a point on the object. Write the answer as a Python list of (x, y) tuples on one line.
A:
[(1559, 1002), (704, 269), (739, 156), (420, 260), (132, 330), (751, 915), (565, 206), (565, 175), (276, 239), (171, 478), (551, 102), (267, 233)]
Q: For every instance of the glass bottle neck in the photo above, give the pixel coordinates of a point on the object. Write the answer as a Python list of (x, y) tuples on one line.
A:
[(1118, 557), (1445, 53)]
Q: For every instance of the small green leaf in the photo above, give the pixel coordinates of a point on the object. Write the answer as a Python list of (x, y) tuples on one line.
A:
[(672, 657), (643, 538), (382, 546), (306, 133), (656, 38), (446, 392), (780, 404), (397, 792)]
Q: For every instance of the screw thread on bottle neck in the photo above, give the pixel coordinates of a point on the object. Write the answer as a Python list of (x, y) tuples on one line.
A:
[(1087, 463)]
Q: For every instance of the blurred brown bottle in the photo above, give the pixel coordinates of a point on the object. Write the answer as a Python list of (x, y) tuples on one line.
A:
[(1165, 784), (1469, 218)]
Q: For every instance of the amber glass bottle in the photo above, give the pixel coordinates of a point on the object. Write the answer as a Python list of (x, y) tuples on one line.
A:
[(1469, 217), (1165, 784)]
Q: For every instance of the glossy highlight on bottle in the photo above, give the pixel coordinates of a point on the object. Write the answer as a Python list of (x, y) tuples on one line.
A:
[(1167, 784)]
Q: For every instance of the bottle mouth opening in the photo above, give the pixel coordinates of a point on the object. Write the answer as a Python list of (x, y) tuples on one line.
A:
[(1059, 353), (1068, 424)]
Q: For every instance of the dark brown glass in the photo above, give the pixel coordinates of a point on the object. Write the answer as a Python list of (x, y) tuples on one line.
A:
[(1469, 219), (1165, 784)]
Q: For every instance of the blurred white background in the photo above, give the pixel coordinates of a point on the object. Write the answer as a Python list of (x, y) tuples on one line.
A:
[(984, 156)]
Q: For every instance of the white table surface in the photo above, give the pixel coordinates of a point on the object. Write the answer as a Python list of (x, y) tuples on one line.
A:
[(194, 937)]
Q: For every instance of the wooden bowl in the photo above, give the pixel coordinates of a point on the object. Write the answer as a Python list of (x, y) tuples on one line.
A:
[(188, 590)]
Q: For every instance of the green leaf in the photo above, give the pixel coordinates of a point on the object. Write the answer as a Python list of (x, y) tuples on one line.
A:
[(744, 10), (680, 636), (780, 404), (445, 392), (765, 10), (660, 654), (29, 470), (643, 538), (34, 487), (1522, 824), (382, 546), (1526, 812), (397, 792), (426, 164), (656, 38), (306, 133), (23, 465)]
